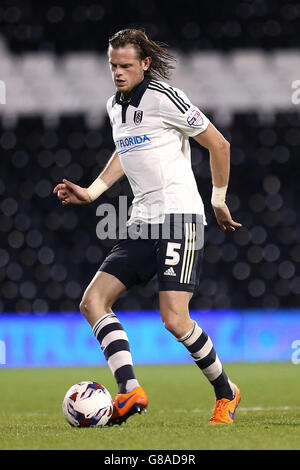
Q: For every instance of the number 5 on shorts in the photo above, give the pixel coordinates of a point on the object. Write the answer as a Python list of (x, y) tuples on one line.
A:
[(172, 257)]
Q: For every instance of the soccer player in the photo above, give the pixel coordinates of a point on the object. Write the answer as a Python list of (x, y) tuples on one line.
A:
[(152, 123)]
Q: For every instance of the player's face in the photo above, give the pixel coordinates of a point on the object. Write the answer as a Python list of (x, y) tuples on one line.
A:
[(127, 69)]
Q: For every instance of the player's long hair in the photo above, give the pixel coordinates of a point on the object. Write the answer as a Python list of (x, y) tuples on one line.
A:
[(162, 60)]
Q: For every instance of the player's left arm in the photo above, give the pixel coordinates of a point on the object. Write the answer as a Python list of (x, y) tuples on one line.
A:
[(219, 157)]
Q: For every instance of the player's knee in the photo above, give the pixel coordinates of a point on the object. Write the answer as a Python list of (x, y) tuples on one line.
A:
[(85, 306), (178, 323), (92, 303), (173, 324)]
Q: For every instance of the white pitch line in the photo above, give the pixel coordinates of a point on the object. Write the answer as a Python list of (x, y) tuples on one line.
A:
[(270, 408), (255, 408)]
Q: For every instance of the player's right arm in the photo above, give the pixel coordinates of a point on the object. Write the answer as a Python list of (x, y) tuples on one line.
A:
[(71, 193), (219, 153)]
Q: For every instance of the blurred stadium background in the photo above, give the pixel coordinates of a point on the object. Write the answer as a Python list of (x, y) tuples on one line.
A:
[(239, 61)]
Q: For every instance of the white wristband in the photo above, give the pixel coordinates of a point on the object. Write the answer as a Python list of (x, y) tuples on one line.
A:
[(218, 196), (96, 188)]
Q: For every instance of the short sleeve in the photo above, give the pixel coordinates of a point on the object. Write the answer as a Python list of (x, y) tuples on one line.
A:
[(178, 112)]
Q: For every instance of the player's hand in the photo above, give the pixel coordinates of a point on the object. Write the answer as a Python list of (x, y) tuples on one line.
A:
[(70, 193), (224, 218)]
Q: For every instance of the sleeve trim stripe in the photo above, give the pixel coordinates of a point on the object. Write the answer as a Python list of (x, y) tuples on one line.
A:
[(177, 104), (173, 93)]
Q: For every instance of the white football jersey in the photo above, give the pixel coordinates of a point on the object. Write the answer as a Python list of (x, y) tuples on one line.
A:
[(151, 132)]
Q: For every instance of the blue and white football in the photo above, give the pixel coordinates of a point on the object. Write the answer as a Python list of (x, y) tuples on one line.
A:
[(87, 404)]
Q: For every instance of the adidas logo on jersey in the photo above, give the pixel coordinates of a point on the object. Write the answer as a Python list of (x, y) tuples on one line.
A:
[(170, 272)]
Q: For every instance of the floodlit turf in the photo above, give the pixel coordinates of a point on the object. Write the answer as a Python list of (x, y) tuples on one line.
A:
[(181, 401)]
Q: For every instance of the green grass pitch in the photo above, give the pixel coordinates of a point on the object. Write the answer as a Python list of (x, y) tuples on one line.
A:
[(180, 405)]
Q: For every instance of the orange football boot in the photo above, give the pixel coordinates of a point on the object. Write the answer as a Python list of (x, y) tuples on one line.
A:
[(225, 409), (127, 404)]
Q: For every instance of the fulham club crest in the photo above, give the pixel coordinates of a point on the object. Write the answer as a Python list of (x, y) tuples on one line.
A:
[(138, 116)]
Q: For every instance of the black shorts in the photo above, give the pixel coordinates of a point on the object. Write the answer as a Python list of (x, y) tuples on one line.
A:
[(172, 250)]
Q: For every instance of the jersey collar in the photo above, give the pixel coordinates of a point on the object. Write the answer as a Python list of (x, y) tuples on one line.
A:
[(136, 98)]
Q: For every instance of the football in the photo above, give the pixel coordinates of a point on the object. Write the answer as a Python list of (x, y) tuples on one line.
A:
[(87, 404)]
